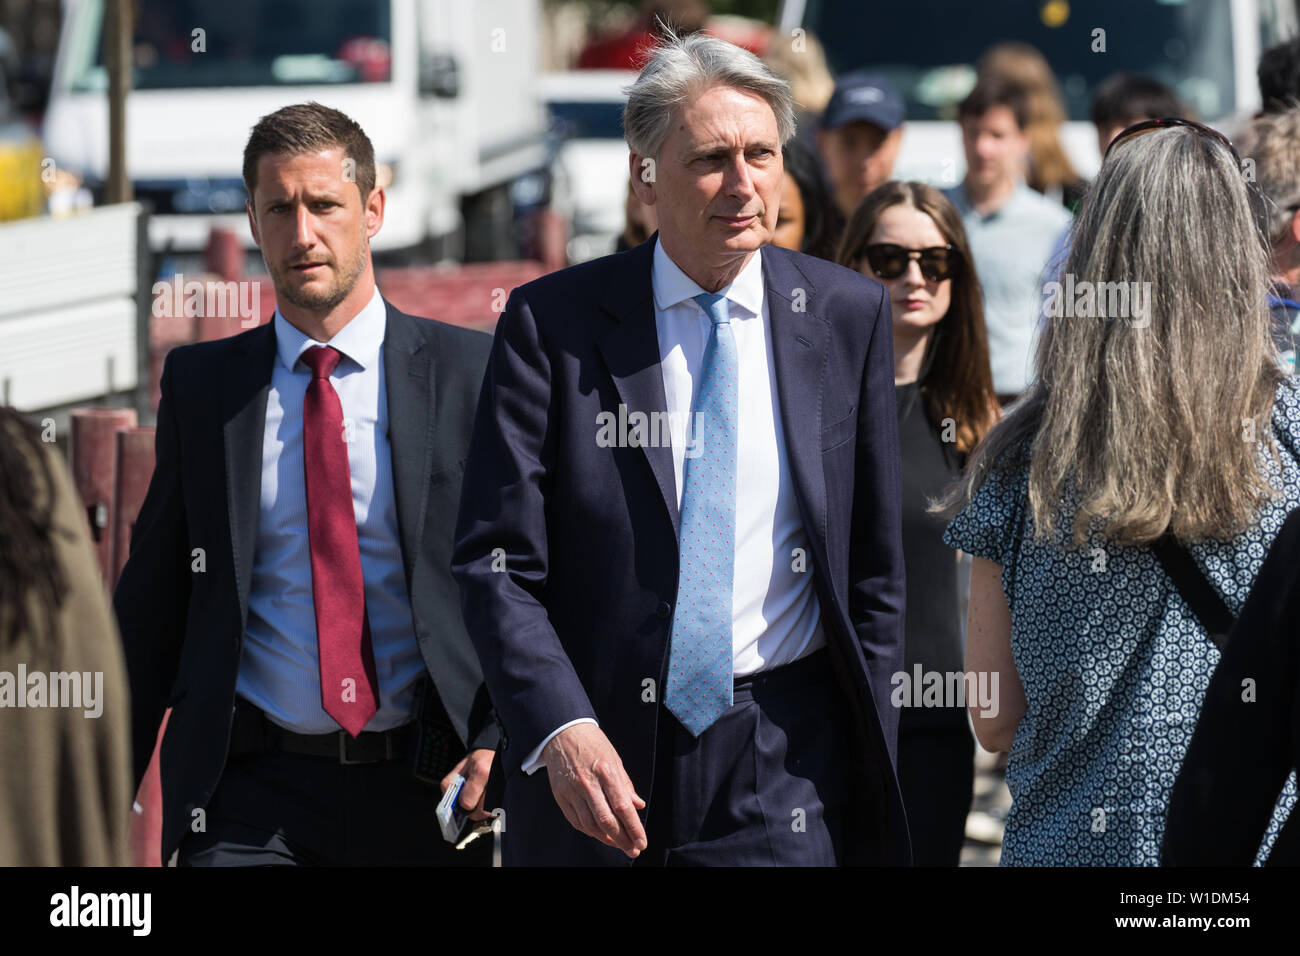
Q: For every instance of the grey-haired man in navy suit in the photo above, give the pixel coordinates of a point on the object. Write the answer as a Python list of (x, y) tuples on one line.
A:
[(679, 546)]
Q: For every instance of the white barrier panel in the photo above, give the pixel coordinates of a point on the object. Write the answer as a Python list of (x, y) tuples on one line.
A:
[(68, 307)]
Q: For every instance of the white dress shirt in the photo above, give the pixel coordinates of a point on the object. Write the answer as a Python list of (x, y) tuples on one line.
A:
[(279, 667), (775, 615)]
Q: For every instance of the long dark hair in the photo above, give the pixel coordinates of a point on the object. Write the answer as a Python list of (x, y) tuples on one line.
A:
[(29, 566), (821, 221), (956, 381)]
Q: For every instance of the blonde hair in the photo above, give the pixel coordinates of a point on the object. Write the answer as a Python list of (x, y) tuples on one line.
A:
[(805, 69), (1023, 66)]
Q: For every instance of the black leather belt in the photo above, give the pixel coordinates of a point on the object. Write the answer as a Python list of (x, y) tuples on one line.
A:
[(253, 733)]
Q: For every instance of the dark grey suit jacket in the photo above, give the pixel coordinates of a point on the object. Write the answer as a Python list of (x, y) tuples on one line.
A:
[(182, 630)]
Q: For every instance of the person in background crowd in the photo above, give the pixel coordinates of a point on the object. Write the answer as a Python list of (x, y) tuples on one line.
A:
[(1273, 142), (807, 220), (861, 131), (1049, 171), (1279, 76), (801, 62), (1123, 99), (1013, 230), (65, 765), (639, 221), (1101, 664), (908, 236), (626, 49)]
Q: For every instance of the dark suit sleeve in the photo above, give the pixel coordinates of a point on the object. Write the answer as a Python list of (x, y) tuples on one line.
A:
[(151, 600), (877, 589), (501, 557), (484, 734), (1245, 743), (462, 359)]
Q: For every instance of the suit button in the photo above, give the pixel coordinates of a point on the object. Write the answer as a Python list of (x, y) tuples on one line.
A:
[(664, 610)]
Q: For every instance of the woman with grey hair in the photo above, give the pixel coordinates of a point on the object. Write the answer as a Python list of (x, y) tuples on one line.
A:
[(1158, 409)]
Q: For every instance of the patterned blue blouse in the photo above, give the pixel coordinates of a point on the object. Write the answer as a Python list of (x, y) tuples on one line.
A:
[(1114, 666)]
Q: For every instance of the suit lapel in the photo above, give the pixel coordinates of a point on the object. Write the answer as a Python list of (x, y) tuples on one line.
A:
[(800, 350), (244, 421), (409, 379), (631, 351)]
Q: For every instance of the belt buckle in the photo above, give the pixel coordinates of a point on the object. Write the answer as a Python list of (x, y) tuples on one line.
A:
[(343, 750)]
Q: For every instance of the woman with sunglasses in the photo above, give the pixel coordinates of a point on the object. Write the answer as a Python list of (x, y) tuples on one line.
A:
[(1177, 420), (908, 236)]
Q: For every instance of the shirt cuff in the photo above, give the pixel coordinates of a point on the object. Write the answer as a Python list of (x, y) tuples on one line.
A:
[(533, 762)]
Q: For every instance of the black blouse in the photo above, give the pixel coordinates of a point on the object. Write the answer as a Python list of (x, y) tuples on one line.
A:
[(933, 630)]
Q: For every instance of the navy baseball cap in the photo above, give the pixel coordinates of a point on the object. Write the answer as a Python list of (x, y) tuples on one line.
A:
[(864, 97)]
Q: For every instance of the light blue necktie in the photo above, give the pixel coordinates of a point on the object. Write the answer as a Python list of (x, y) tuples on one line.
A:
[(700, 657)]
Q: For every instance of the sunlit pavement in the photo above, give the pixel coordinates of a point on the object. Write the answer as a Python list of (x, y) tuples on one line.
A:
[(989, 808)]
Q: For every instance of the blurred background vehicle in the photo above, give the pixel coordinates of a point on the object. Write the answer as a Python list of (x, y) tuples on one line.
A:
[(589, 170), (447, 92), (1207, 51)]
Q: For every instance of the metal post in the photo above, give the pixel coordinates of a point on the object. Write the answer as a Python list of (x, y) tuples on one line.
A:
[(145, 269), (118, 59)]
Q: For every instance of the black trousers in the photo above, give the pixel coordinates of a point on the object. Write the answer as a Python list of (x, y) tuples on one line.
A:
[(279, 809), (768, 784), (936, 774)]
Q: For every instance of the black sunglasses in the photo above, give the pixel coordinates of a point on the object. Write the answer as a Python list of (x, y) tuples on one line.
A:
[(889, 261), (1167, 123)]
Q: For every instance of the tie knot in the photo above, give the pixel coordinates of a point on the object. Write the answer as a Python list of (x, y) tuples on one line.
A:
[(714, 305), (321, 359)]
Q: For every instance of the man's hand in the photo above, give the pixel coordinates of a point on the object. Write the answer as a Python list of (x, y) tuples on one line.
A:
[(474, 768), (593, 790)]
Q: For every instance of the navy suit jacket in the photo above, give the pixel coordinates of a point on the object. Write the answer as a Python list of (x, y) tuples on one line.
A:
[(183, 631), (566, 551)]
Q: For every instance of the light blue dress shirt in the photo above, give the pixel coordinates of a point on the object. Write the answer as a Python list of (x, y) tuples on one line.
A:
[(279, 668)]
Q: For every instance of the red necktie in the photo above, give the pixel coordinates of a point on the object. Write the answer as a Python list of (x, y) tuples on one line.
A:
[(347, 665)]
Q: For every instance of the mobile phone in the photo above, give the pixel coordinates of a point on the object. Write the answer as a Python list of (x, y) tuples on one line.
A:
[(452, 819)]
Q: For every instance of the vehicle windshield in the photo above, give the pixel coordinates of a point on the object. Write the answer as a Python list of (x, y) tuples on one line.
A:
[(586, 120), (927, 48), (214, 43)]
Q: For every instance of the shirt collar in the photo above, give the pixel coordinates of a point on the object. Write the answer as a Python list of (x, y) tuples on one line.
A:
[(359, 340), (672, 286)]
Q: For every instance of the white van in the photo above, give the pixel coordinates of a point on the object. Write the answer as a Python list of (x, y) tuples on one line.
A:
[(445, 89)]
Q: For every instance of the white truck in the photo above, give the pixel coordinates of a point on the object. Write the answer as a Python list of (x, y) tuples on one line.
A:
[(445, 89), (1207, 50)]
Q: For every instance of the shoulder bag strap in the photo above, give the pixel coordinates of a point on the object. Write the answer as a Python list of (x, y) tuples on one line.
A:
[(1195, 588)]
